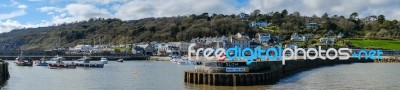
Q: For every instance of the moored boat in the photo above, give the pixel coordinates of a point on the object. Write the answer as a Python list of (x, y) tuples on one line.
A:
[(41, 62), (84, 62), (103, 60), (184, 61), (175, 58), (120, 60), (57, 62), (22, 61)]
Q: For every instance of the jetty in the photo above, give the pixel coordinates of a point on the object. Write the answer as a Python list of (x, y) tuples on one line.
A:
[(4, 74), (257, 73)]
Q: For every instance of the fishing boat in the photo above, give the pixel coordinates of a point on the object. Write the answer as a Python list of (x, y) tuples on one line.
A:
[(22, 61), (175, 58), (84, 62), (57, 62), (103, 60), (120, 60), (184, 61), (41, 62)]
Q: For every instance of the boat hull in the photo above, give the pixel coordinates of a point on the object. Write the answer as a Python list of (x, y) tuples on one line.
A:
[(23, 64), (104, 62), (61, 65), (41, 64), (94, 65)]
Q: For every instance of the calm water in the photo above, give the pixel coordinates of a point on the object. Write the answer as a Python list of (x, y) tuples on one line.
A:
[(155, 75)]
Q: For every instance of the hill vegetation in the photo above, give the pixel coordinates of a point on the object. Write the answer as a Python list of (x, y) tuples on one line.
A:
[(184, 28)]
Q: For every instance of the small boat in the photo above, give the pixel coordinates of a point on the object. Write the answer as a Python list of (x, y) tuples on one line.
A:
[(41, 62), (184, 61), (22, 61), (52, 67), (120, 60), (103, 60), (175, 58), (196, 62), (57, 62), (84, 62)]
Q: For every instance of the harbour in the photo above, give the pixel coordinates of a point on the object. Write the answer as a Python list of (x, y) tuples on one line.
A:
[(150, 75), (199, 45)]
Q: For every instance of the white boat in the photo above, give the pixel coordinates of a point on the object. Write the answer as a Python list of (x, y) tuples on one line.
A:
[(56, 59), (84, 59), (120, 60), (103, 60), (57, 62), (175, 58), (84, 62), (184, 61)]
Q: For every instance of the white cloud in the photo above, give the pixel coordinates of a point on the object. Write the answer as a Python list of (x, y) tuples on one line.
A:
[(12, 14), (8, 25), (332, 7), (74, 12), (50, 9), (145, 8), (22, 6)]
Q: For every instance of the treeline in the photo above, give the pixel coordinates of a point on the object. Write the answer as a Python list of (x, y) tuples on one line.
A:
[(184, 28)]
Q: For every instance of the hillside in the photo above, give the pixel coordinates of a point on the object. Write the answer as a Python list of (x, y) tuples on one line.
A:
[(184, 28)]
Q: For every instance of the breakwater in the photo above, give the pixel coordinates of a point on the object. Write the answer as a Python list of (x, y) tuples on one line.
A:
[(4, 74), (258, 73)]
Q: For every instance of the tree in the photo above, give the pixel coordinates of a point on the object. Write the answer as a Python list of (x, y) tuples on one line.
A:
[(296, 14), (353, 16), (381, 19), (325, 16), (254, 14), (284, 13)]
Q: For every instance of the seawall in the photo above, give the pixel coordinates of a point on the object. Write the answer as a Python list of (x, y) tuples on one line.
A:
[(4, 74), (258, 73)]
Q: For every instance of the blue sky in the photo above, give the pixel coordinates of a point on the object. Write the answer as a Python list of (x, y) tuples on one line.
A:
[(36, 13)]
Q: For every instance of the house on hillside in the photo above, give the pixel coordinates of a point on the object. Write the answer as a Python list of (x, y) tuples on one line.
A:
[(312, 25), (328, 40), (241, 40), (148, 49), (138, 50), (263, 38), (258, 24)]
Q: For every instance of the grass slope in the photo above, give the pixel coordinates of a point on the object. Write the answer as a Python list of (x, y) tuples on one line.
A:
[(376, 44)]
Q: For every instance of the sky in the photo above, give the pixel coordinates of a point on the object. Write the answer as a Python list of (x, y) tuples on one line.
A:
[(16, 14)]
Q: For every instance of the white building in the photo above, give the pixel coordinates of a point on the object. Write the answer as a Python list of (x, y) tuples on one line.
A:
[(263, 38), (82, 48), (258, 24), (148, 49), (166, 49), (298, 37), (328, 40), (240, 40)]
